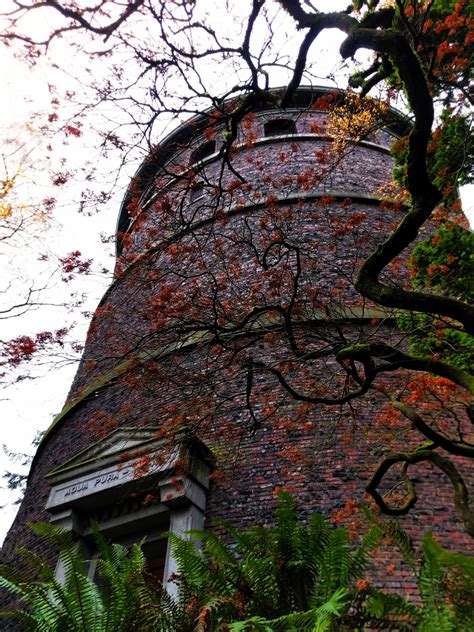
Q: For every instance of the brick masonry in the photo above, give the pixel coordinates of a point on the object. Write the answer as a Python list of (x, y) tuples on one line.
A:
[(203, 246)]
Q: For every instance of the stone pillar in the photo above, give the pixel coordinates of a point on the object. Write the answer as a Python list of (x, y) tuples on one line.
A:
[(181, 521)]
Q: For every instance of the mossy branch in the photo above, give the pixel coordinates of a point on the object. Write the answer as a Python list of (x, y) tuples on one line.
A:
[(396, 359), (461, 495)]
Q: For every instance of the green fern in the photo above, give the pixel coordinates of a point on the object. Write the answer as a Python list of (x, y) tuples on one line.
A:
[(288, 578), (318, 619), (77, 604), (401, 540), (385, 611), (445, 582), (280, 576)]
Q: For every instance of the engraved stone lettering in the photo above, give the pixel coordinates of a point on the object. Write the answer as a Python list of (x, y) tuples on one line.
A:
[(74, 489), (106, 478)]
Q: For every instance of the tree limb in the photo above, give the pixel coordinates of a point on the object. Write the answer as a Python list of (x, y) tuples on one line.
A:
[(461, 495)]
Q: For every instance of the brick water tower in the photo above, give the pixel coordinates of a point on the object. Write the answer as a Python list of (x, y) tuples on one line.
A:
[(209, 377)]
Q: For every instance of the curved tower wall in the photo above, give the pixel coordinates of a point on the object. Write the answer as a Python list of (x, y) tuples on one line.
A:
[(208, 254)]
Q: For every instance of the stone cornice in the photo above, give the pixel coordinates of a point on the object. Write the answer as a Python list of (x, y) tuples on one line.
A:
[(109, 467)]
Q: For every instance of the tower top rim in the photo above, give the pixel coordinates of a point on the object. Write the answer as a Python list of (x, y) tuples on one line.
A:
[(397, 122)]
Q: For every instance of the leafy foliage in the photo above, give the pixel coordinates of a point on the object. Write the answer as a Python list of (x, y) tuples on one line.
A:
[(450, 154), (421, 52), (287, 578), (445, 580), (290, 577), (445, 263), (78, 603)]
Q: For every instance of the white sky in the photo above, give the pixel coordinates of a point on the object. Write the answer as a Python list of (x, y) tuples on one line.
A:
[(30, 405)]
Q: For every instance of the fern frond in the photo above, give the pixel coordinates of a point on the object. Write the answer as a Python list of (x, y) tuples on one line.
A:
[(59, 537), (390, 612), (318, 539), (215, 546), (27, 620), (361, 556), (253, 624), (445, 558), (192, 565), (333, 607), (316, 620), (16, 587), (38, 564), (400, 538), (335, 564), (437, 618)]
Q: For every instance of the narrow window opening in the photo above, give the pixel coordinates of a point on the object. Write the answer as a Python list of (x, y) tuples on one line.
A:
[(279, 127), (203, 151), (197, 192), (154, 547), (155, 554)]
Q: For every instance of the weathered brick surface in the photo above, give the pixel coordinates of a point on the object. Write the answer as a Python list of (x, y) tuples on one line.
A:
[(206, 250)]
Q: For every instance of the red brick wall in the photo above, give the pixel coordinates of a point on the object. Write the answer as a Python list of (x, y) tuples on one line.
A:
[(207, 249)]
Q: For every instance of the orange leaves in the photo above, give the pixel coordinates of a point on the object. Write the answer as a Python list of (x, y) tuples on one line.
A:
[(325, 101), (435, 268), (207, 301), (448, 48), (19, 349), (435, 400), (126, 408), (342, 225), (362, 585), (354, 119), (221, 216), (326, 200), (233, 186), (73, 130), (141, 466), (308, 179), (147, 501), (293, 454), (317, 298), (454, 20), (348, 516), (73, 264), (356, 218), (22, 348), (250, 141), (436, 239), (316, 128), (450, 34), (442, 390), (209, 132), (100, 424), (270, 203)]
